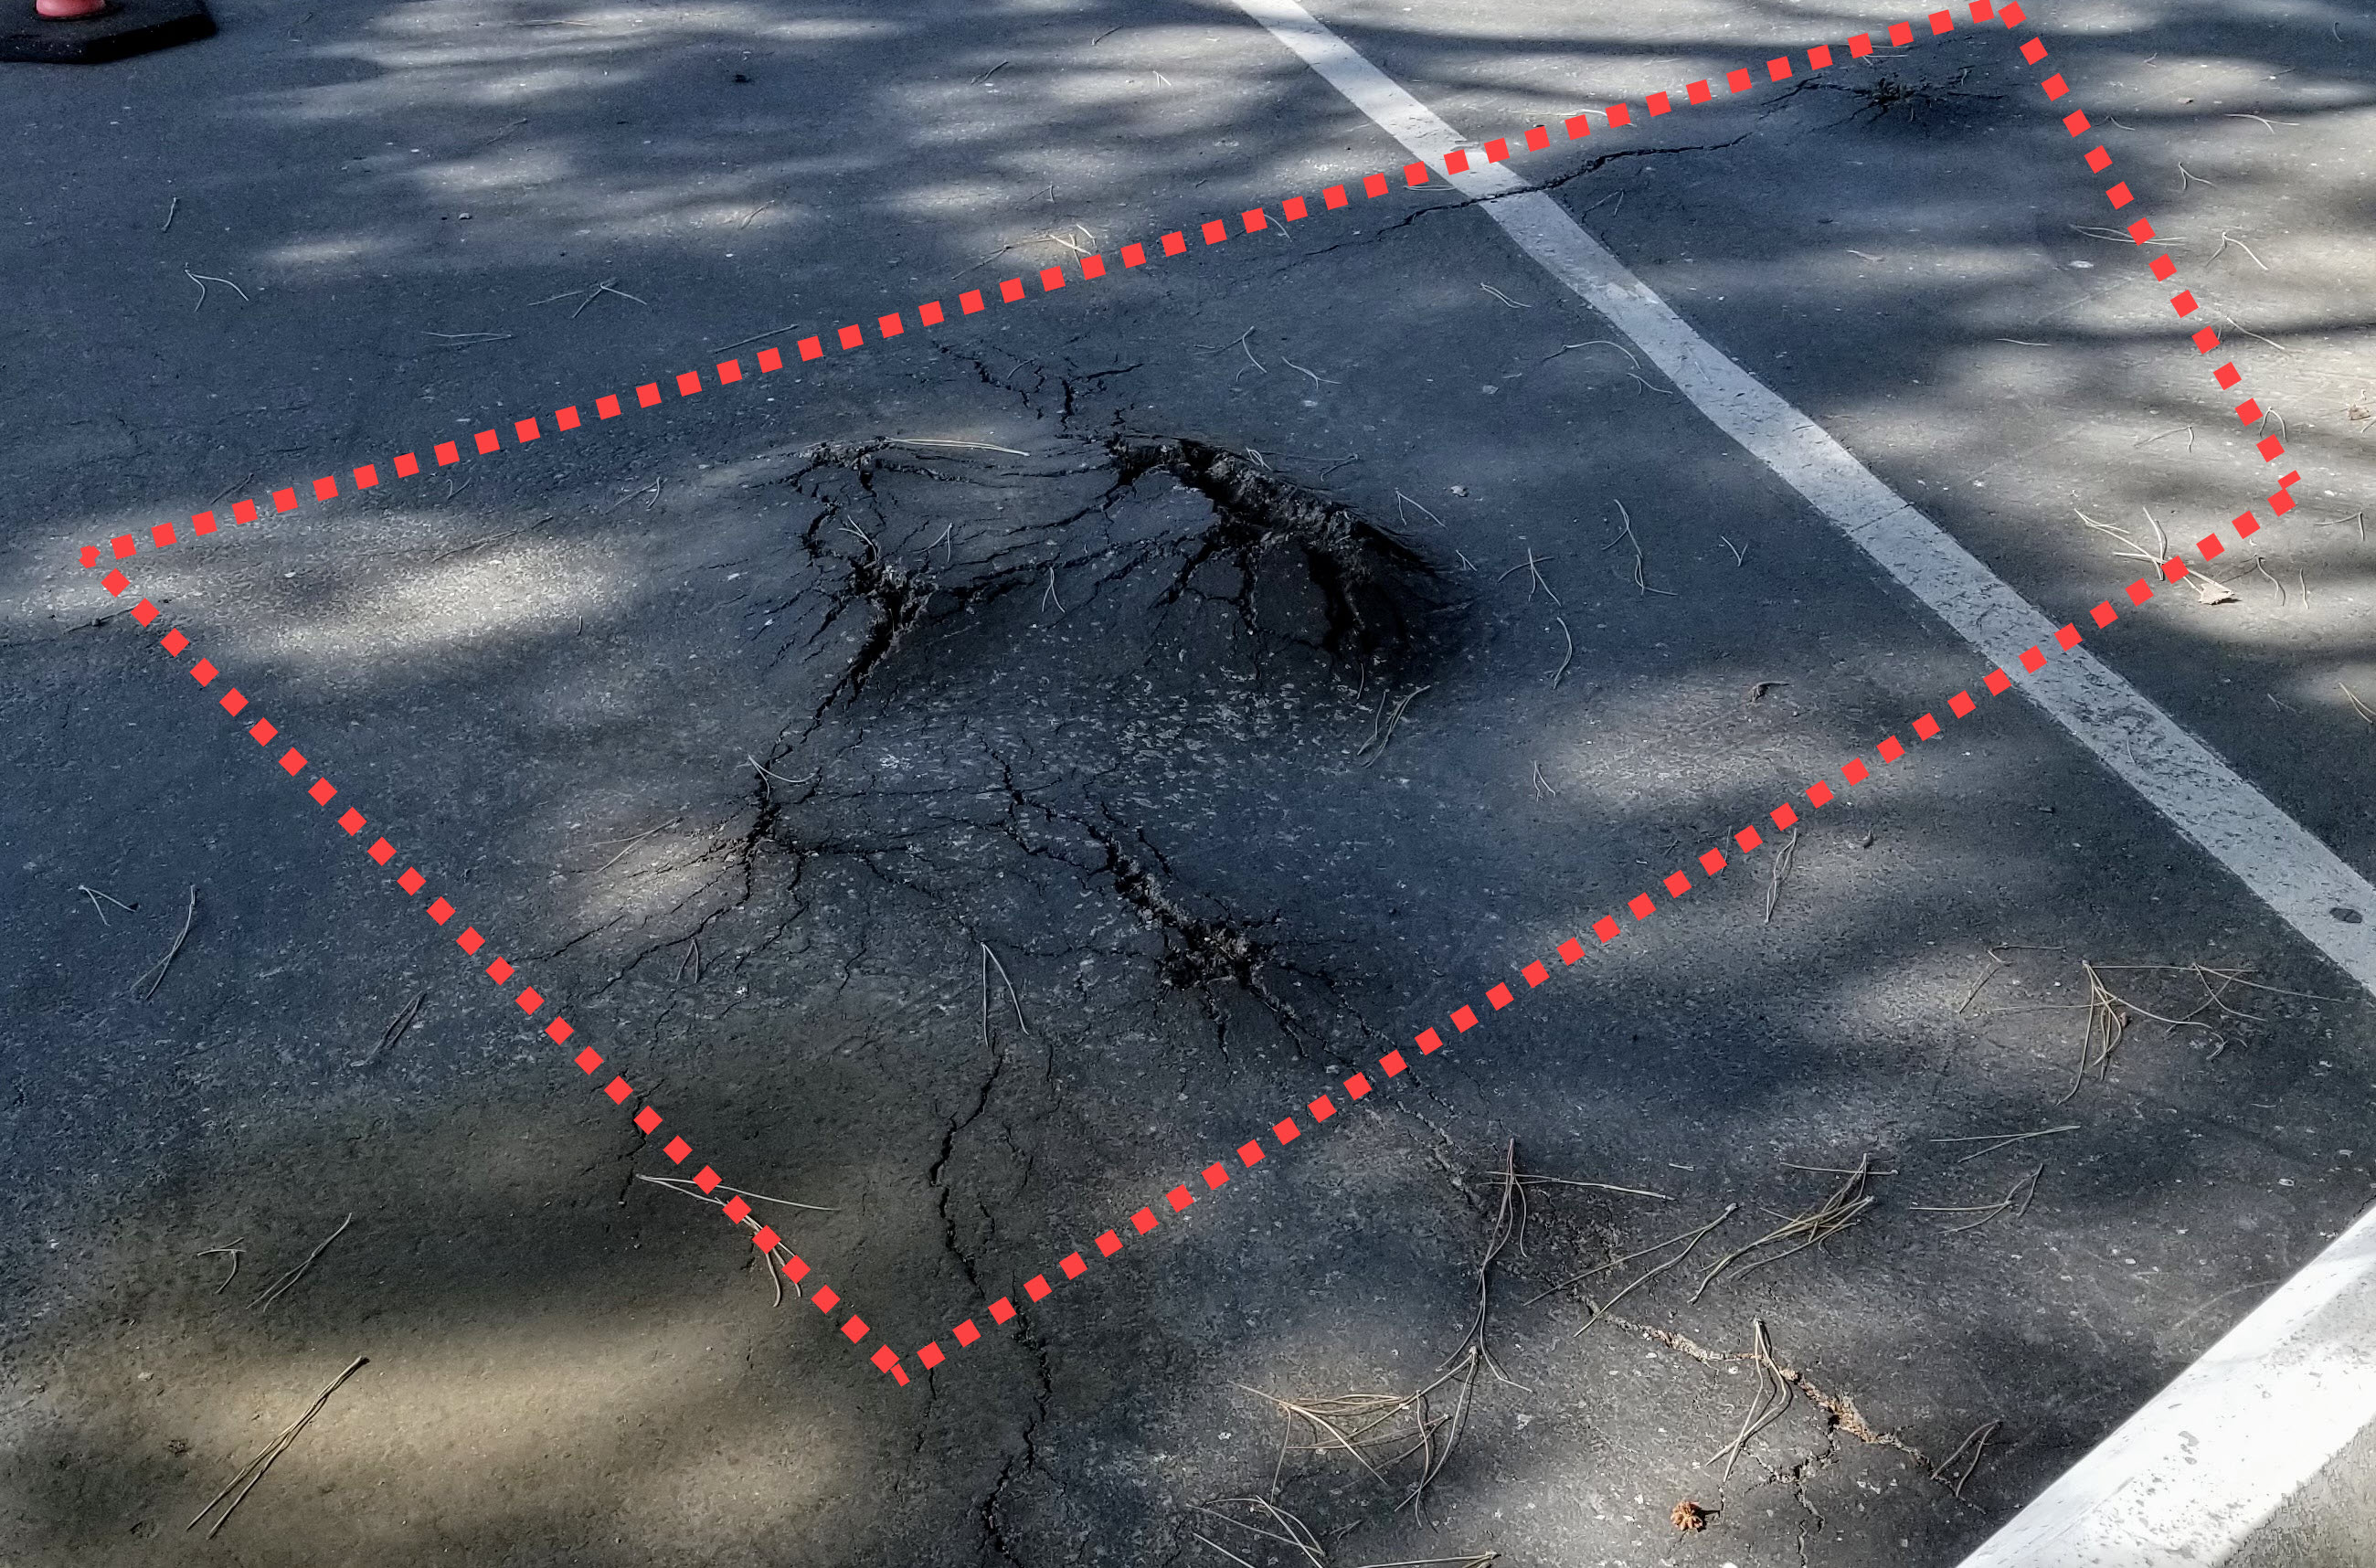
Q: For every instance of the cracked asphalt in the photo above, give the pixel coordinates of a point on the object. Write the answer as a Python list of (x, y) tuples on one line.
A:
[(973, 783)]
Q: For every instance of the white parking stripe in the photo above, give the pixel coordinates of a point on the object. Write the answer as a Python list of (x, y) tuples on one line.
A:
[(2192, 1475), (2307, 884), (2183, 1483)]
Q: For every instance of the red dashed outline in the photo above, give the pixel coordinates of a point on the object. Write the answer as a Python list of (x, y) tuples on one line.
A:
[(1428, 1041)]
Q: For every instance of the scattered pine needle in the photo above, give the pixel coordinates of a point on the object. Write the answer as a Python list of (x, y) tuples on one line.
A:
[(1569, 656), (1977, 1441), (2015, 1203), (2000, 1140), (1508, 1217), (1625, 535), (1781, 869), (778, 777), (1690, 1239), (203, 279), (1237, 342), (94, 895), (989, 959), (1996, 950), (1527, 1178), (2119, 236), (281, 1286), (1594, 343), (985, 261), (2248, 331), (1847, 1203), (236, 1252), (973, 445), (1316, 377), (2110, 1013), (1274, 1523), (1401, 500), (2357, 706), (2208, 589), (394, 1029), (1382, 1431), (1217, 1546), (1505, 299), (686, 1185), (596, 292), (1379, 738), (1532, 566), (638, 838), (253, 1471), (2226, 239), (755, 337), (2261, 567), (154, 976), (2107, 1022), (777, 1255), (1220, 1546), (1772, 1400)]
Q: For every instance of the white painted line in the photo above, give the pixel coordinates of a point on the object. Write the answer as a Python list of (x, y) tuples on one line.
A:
[(2191, 1476), (2299, 877), (2186, 1478)]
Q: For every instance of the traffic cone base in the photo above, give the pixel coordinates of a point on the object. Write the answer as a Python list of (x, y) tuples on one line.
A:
[(87, 33)]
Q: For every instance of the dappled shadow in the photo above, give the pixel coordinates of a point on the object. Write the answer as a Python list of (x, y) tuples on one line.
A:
[(1058, 700)]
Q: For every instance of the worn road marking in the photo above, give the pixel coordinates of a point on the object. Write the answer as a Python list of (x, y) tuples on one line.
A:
[(2304, 882), (2191, 1476), (2184, 1481)]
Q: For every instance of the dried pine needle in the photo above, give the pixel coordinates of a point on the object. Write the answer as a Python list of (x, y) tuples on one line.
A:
[(253, 1471), (1847, 1203), (154, 976), (281, 1286), (2015, 1203), (1690, 1240), (1767, 1407), (1977, 1441), (1383, 1431)]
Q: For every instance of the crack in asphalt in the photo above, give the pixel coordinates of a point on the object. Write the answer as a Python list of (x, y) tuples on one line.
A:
[(1590, 166)]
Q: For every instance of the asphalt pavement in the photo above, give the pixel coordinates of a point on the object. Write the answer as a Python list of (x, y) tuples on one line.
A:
[(976, 783)]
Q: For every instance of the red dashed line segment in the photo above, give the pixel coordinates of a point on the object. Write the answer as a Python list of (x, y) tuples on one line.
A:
[(1321, 1110), (1214, 232), (1817, 794), (530, 1001)]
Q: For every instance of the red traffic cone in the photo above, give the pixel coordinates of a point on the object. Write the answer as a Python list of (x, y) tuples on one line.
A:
[(87, 31)]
